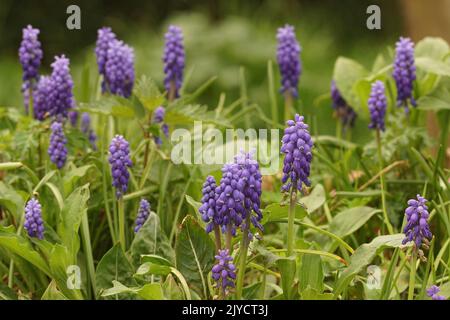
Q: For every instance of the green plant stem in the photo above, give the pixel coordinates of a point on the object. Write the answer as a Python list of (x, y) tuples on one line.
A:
[(291, 220), (88, 251), (412, 276), (121, 213), (229, 238), (217, 238), (382, 185), (288, 103), (243, 249), (444, 133), (30, 102), (272, 94)]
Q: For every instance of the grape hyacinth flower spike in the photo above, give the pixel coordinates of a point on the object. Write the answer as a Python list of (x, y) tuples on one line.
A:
[(417, 228), (119, 159), (288, 57), (73, 118), (344, 112), (433, 291), (404, 72), (173, 59), (377, 106), (61, 95), (104, 38), (87, 130), (119, 69), (42, 98), (297, 147), (143, 213), (158, 118), (224, 272), (208, 207), (34, 224), (57, 148), (30, 56)]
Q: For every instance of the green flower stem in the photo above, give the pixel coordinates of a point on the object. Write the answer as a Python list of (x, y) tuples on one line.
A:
[(291, 220), (382, 185), (412, 275), (243, 249), (30, 102), (288, 103), (272, 92), (88, 251), (121, 214), (217, 238), (229, 238)]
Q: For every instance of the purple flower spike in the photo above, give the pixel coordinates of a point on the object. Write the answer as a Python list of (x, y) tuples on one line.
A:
[(158, 117), (288, 57), (30, 56), (208, 207), (342, 109), (417, 228), (57, 149), (73, 118), (87, 130), (61, 96), (297, 146), (104, 38), (404, 72), (119, 159), (119, 69), (42, 98), (433, 291), (173, 59), (33, 219), (143, 213), (224, 272), (377, 106)]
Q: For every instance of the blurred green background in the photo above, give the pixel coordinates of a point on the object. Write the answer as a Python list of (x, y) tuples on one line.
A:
[(221, 37)]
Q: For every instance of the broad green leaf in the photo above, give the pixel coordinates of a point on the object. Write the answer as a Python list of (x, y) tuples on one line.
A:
[(431, 47), (110, 105), (311, 273), (315, 199), (114, 266), (346, 73), (11, 200), (276, 211), (312, 294), (72, 176), (194, 254), (436, 101), (148, 93), (150, 240), (52, 293), (150, 291), (348, 221), (74, 208), (433, 66), (364, 254), (152, 268), (287, 267), (156, 260), (252, 291)]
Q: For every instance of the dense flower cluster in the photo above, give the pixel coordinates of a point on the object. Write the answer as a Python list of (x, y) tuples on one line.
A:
[(224, 272), (41, 98), (61, 98), (208, 207), (119, 69), (143, 213), (343, 111), (119, 159), (377, 106), (404, 72), (173, 59), (73, 118), (158, 118), (288, 57), (87, 129), (30, 56), (238, 195), (57, 148), (104, 37), (33, 219), (433, 291), (297, 146), (417, 228)]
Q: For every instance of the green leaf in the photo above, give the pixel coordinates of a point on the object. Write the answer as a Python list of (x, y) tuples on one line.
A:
[(252, 291), (110, 105), (150, 240), (74, 208), (311, 273), (433, 66), (315, 199), (152, 268), (52, 293), (348, 221), (276, 211), (346, 73), (156, 260), (11, 200), (72, 177), (312, 294), (194, 254), (364, 255), (114, 266), (148, 93), (431, 47), (287, 267), (150, 291), (436, 101)]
